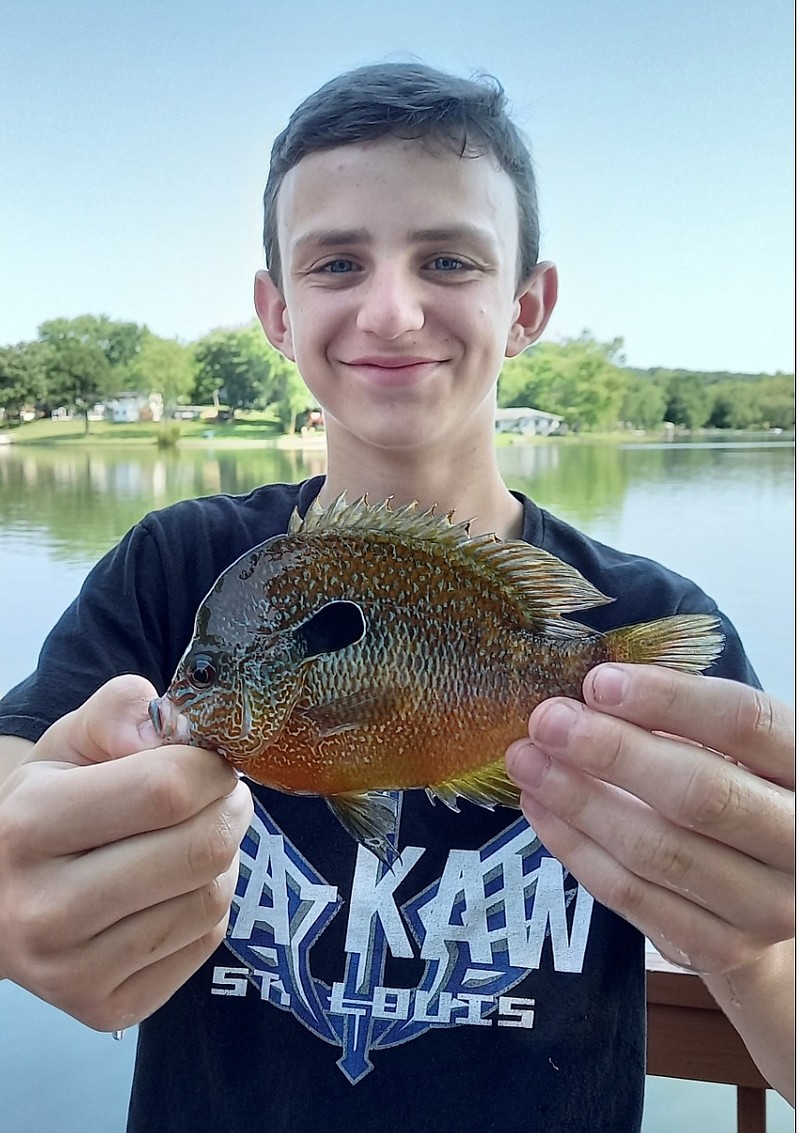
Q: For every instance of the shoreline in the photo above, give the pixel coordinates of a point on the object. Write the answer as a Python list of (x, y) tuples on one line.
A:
[(126, 436)]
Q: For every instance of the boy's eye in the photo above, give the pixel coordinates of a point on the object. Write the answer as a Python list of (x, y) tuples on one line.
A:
[(447, 263), (337, 267)]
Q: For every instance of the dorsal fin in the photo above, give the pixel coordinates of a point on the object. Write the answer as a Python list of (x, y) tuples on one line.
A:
[(364, 516), (538, 585)]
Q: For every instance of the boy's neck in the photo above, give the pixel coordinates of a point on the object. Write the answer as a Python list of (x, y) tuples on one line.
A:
[(470, 485)]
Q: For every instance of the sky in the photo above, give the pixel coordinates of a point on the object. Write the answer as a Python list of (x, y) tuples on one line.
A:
[(135, 140)]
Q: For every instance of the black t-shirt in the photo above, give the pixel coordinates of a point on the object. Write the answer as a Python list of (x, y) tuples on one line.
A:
[(476, 986)]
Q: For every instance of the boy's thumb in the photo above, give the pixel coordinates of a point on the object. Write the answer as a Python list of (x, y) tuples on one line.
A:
[(113, 722)]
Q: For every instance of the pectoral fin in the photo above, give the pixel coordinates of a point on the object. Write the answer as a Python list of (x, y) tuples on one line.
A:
[(347, 713), (488, 786), (371, 818)]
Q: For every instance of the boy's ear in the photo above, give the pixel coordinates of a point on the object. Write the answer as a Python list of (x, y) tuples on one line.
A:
[(534, 307), (272, 314)]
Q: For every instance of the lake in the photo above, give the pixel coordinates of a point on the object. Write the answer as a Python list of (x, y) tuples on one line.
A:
[(720, 512)]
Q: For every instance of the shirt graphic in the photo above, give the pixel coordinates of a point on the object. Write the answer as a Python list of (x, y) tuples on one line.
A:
[(479, 930)]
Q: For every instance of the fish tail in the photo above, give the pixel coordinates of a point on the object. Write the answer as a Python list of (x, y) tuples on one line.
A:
[(687, 642)]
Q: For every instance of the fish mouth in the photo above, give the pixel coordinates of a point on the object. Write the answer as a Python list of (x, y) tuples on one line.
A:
[(171, 726)]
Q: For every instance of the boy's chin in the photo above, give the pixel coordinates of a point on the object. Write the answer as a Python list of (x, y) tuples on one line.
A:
[(395, 437)]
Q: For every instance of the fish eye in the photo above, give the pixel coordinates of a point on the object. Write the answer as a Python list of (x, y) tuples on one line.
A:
[(201, 671)]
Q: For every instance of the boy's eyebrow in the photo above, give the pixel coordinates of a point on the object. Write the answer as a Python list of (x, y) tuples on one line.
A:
[(330, 238), (340, 237), (452, 232)]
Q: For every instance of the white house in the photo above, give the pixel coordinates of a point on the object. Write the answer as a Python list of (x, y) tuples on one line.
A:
[(128, 407), (526, 421)]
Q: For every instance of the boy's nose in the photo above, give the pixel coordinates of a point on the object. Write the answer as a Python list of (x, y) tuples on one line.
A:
[(391, 305)]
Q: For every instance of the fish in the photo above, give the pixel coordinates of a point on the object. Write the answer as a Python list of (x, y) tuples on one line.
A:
[(371, 650)]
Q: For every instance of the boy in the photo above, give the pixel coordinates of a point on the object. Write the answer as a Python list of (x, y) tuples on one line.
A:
[(477, 985)]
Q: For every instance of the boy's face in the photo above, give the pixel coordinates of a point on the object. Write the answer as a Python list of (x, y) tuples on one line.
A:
[(400, 297)]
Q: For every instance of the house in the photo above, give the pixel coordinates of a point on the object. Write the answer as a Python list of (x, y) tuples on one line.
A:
[(129, 407), (526, 421)]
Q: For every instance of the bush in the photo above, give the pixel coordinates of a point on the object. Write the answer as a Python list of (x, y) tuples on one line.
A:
[(169, 433)]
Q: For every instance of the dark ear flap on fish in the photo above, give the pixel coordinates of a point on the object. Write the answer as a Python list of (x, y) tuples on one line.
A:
[(371, 818), (334, 627)]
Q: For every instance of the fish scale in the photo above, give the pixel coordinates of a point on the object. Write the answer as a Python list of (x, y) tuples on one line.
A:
[(373, 649)]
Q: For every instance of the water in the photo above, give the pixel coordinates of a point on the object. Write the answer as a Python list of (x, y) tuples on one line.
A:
[(720, 513)]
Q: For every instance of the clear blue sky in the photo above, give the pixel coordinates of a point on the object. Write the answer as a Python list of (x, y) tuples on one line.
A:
[(134, 141)]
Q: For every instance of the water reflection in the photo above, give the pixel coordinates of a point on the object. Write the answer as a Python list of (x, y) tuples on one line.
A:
[(84, 500)]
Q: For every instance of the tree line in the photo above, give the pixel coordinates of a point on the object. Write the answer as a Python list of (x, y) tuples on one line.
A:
[(587, 383), (79, 362)]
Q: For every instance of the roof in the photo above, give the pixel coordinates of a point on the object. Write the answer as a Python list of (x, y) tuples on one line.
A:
[(513, 413)]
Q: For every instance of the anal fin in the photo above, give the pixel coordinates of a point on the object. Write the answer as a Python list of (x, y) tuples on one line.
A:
[(487, 786)]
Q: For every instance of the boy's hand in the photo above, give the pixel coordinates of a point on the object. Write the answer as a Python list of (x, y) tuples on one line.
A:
[(695, 849), (116, 874)]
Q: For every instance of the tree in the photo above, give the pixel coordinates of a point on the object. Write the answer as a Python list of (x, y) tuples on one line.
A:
[(722, 399), (688, 401), (88, 357), (517, 374), (78, 375), (775, 401), (23, 377), (733, 406), (120, 342), (165, 366), (294, 396), (579, 379), (239, 365), (644, 403)]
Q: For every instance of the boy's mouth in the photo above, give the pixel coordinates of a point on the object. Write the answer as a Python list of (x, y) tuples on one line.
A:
[(392, 362), (394, 370)]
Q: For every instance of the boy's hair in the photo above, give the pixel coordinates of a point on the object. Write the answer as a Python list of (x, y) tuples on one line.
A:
[(407, 100)]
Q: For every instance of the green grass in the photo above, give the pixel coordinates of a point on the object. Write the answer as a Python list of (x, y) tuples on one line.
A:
[(248, 426), (251, 428)]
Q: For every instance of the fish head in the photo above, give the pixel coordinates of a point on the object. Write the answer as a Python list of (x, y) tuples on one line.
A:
[(236, 700), (207, 703)]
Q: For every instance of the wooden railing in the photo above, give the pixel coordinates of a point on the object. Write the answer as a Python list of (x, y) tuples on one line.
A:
[(688, 1036)]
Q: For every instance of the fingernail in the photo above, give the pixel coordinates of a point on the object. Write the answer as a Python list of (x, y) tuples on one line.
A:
[(551, 725), (609, 685)]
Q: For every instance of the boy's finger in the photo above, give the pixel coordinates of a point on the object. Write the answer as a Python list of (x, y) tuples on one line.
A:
[(158, 866), (145, 991), (731, 718), (82, 808), (111, 723)]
